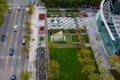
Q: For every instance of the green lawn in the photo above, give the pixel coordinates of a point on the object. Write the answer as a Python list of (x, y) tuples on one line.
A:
[(70, 68)]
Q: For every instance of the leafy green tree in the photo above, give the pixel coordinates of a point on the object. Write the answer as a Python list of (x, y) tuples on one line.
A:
[(87, 69), (94, 76), (25, 49), (3, 8), (25, 75), (109, 78), (118, 68), (31, 9), (54, 70), (84, 52), (27, 37)]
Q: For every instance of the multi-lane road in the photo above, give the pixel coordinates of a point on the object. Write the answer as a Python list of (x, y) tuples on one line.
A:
[(12, 65)]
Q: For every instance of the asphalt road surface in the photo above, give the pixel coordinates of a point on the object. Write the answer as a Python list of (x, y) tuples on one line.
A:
[(10, 65)]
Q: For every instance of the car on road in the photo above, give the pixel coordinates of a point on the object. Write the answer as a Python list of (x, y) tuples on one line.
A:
[(23, 41), (19, 8), (2, 37), (11, 52), (13, 77), (15, 28), (10, 10)]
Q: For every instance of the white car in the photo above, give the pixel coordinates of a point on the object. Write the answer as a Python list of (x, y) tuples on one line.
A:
[(19, 8), (10, 10), (15, 28), (23, 41)]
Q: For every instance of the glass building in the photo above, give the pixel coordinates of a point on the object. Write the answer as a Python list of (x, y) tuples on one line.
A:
[(108, 26)]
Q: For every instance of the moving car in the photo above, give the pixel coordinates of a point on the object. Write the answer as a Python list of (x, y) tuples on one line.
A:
[(2, 37), (13, 77), (15, 28), (19, 8), (11, 52)]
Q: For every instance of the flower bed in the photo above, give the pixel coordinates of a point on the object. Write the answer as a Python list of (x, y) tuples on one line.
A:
[(41, 16), (41, 29)]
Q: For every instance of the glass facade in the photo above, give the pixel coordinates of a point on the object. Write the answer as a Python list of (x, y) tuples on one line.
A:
[(115, 7)]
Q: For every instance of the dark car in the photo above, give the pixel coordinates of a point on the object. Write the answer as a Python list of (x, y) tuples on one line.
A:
[(2, 37), (11, 52), (13, 77)]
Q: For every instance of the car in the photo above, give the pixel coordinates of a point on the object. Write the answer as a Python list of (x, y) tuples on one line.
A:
[(13, 77), (2, 37), (10, 10), (11, 52), (19, 8), (15, 28), (23, 41), (84, 14)]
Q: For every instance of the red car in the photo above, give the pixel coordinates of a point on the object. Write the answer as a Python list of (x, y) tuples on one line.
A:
[(84, 14), (41, 29), (41, 16)]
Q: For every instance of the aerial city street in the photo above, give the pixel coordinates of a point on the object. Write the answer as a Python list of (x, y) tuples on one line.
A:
[(59, 39)]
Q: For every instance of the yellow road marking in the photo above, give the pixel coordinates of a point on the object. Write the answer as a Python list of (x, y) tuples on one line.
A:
[(6, 64)]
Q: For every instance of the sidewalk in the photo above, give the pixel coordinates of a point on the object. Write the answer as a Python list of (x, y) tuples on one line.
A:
[(33, 45)]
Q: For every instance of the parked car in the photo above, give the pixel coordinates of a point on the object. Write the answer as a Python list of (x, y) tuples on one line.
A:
[(10, 10), (11, 52), (84, 14), (2, 37), (23, 41), (13, 77)]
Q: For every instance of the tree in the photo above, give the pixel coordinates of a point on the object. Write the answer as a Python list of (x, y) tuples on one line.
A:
[(25, 75), (99, 60), (28, 23), (88, 69), (109, 78), (25, 49), (31, 9), (94, 76), (27, 37), (84, 52), (54, 70), (118, 68)]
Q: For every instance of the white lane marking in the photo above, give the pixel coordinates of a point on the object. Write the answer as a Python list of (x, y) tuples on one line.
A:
[(1, 56), (18, 71), (15, 44), (7, 34), (9, 24), (19, 57), (12, 69), (5, 44), (14, 56)]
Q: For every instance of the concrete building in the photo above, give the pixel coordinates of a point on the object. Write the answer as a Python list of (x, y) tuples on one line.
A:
[(108, 26)]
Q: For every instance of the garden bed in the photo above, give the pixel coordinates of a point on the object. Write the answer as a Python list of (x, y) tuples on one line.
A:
[(75, 38)]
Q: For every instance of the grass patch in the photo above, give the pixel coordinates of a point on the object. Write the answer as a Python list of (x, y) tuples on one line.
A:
[(41, 38), (70, 67), (85, 38), (83, 30), (75, 38)]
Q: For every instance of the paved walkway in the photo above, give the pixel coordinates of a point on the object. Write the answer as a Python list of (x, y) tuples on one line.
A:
[(97, 45), (33, 45)]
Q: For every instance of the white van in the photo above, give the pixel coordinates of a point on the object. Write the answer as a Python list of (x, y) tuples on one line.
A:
[(15, 28)]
